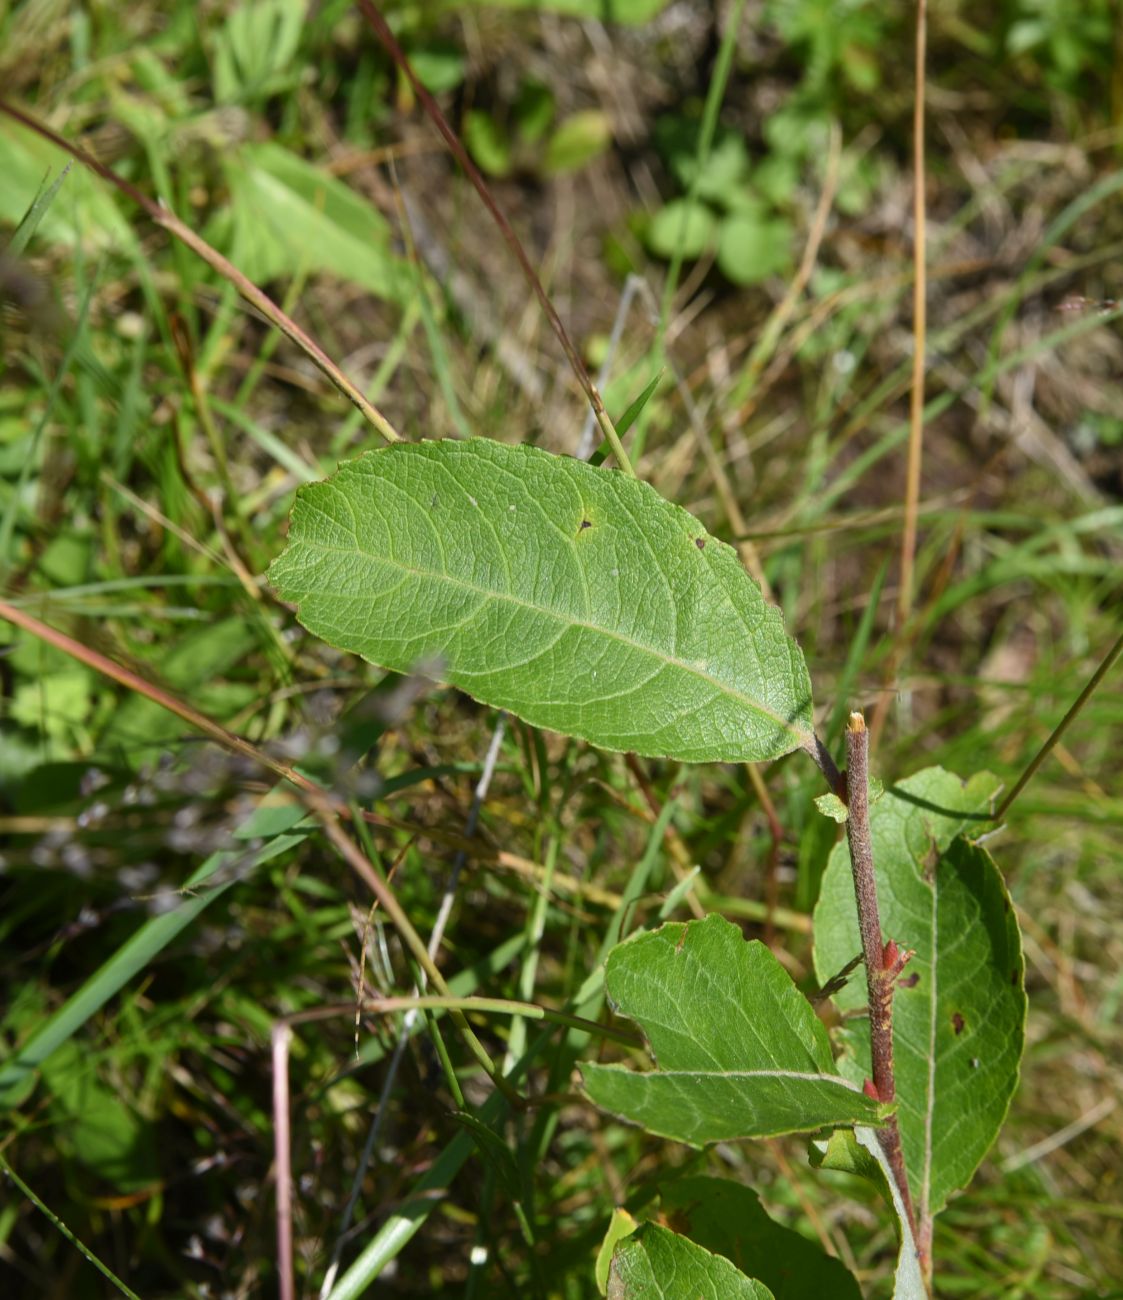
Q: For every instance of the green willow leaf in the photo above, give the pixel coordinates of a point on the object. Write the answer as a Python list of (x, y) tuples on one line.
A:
[(959, 1011), (740, 1051), (657, 1264), (576, 598), (727, 1218)]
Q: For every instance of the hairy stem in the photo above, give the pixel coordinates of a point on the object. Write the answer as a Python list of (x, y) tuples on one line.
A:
[(883, 962)]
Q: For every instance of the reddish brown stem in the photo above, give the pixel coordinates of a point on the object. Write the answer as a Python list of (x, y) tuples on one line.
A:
[(883, 962)]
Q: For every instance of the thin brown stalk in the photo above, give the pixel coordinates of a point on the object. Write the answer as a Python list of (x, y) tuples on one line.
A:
[(883, 962), (382, 30), (905, 591), (135, 682), (919, 330), (163, 216), (1061, 727), (318, 800)]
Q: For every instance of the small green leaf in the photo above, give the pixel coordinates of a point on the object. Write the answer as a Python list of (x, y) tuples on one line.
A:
[(797, 130), (656, 1264), (576, 598), (108, 1137), (288, 215), (830, 805), (724, 173), (254, 47), (56, 703), (439, 65), (534, 110), (959, 1009), (740, 1051), (632, 414), (28, 223), (487, 142), (578, 140), (683, 225), (776, 179), (750, 248), (85, 213), (620, 1226)]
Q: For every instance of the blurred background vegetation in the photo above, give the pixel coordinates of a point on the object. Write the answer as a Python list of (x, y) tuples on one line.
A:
[(153, 430)]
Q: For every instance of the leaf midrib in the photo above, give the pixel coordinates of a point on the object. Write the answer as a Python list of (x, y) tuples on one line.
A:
[(460, 583), (803, 1075)]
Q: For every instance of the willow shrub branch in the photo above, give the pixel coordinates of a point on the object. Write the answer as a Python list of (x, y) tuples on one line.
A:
[(884, 962)]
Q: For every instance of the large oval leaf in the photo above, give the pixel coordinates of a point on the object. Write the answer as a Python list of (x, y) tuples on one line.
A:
[(959, 1012), (577, 598), (740, 1051)]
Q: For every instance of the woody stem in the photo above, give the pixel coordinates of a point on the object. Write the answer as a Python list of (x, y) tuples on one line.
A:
[(883, 964)]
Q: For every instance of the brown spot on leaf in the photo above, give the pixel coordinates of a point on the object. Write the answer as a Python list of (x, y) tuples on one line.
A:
[(586, 523), (958, 1023), (1014, 978), (700, 542), (678, 1220)]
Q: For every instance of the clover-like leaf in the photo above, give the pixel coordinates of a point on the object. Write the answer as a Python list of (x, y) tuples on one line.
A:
[(576, 598), (739, 1050)]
